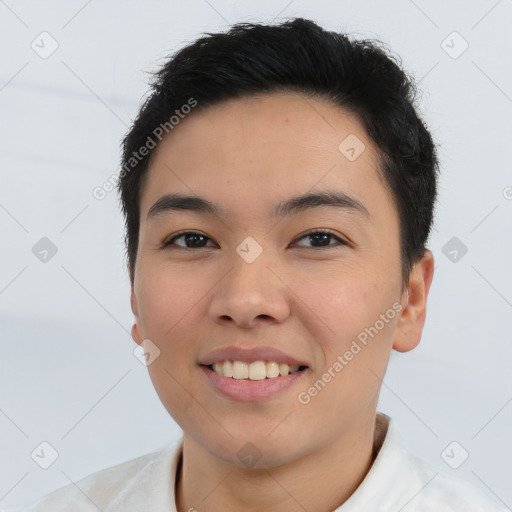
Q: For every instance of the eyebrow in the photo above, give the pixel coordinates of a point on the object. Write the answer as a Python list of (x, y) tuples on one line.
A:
[(298, 204)]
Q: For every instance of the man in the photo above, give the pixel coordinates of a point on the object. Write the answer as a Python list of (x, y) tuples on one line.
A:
[(278, 188)]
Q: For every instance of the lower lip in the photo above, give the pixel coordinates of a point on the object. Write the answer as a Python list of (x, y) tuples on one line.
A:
[(251, 390)]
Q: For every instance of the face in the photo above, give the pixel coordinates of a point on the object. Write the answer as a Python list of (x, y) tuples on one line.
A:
[(320, 284)]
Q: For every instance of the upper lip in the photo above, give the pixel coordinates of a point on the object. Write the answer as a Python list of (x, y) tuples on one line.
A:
[(249, 355)]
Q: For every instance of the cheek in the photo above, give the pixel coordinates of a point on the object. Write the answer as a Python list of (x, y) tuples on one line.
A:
[(342, 303), (169, 304), (165, 299), (347, 381), (367, 321), (351, 317)]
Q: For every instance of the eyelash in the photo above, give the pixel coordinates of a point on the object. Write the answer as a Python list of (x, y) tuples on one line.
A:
[(168, 243)]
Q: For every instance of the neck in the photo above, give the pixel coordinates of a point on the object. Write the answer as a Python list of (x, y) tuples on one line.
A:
[(322, 480)]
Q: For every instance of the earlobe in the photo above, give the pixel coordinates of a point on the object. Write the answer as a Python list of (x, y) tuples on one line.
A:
[(136, 334), (412, 318)]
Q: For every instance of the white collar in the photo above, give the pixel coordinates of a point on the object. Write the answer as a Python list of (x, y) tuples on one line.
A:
[(396, 481), (375, 492)]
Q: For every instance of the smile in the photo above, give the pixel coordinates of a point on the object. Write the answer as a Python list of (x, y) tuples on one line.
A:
[(257, 370), (245, 389)]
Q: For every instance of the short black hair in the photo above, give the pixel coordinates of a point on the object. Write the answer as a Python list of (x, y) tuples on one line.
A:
[(360, 76)]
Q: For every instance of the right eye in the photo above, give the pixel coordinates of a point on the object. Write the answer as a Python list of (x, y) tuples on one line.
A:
[(193, 238)]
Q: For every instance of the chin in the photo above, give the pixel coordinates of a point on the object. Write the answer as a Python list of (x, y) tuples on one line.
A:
[(251, 450)]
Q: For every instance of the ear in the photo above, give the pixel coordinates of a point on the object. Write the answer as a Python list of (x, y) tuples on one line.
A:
[(412, 318), (136, 331)]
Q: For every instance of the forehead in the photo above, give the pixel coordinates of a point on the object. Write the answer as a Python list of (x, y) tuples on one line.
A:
[(248, 154)]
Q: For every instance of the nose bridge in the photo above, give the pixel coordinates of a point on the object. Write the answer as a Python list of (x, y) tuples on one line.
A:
[(251, 288)]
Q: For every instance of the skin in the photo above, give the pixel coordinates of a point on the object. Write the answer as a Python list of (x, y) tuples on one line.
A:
[(310, 302)]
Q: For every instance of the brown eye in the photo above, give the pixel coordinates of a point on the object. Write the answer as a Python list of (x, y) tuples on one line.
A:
[(191, 240), (321, 239)]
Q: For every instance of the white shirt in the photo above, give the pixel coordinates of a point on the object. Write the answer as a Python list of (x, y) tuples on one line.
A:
[(397, 482)]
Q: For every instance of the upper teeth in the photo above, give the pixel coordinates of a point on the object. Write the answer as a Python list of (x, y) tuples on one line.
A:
[(258, 370)]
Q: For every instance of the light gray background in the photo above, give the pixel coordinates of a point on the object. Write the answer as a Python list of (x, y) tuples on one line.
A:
[(68, 375)]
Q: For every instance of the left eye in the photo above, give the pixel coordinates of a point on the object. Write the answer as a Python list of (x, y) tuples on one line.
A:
[(323, 237), (197, 239)]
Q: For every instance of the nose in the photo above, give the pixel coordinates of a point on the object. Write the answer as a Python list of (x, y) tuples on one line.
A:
[(251, 293)]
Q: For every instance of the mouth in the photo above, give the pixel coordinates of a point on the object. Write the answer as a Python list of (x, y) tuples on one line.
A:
[(253, 371), (251, 374), (257, 381)]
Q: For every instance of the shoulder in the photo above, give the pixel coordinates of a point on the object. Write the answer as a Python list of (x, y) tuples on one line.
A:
[(443, 492), (101, 489), (407, 483)]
